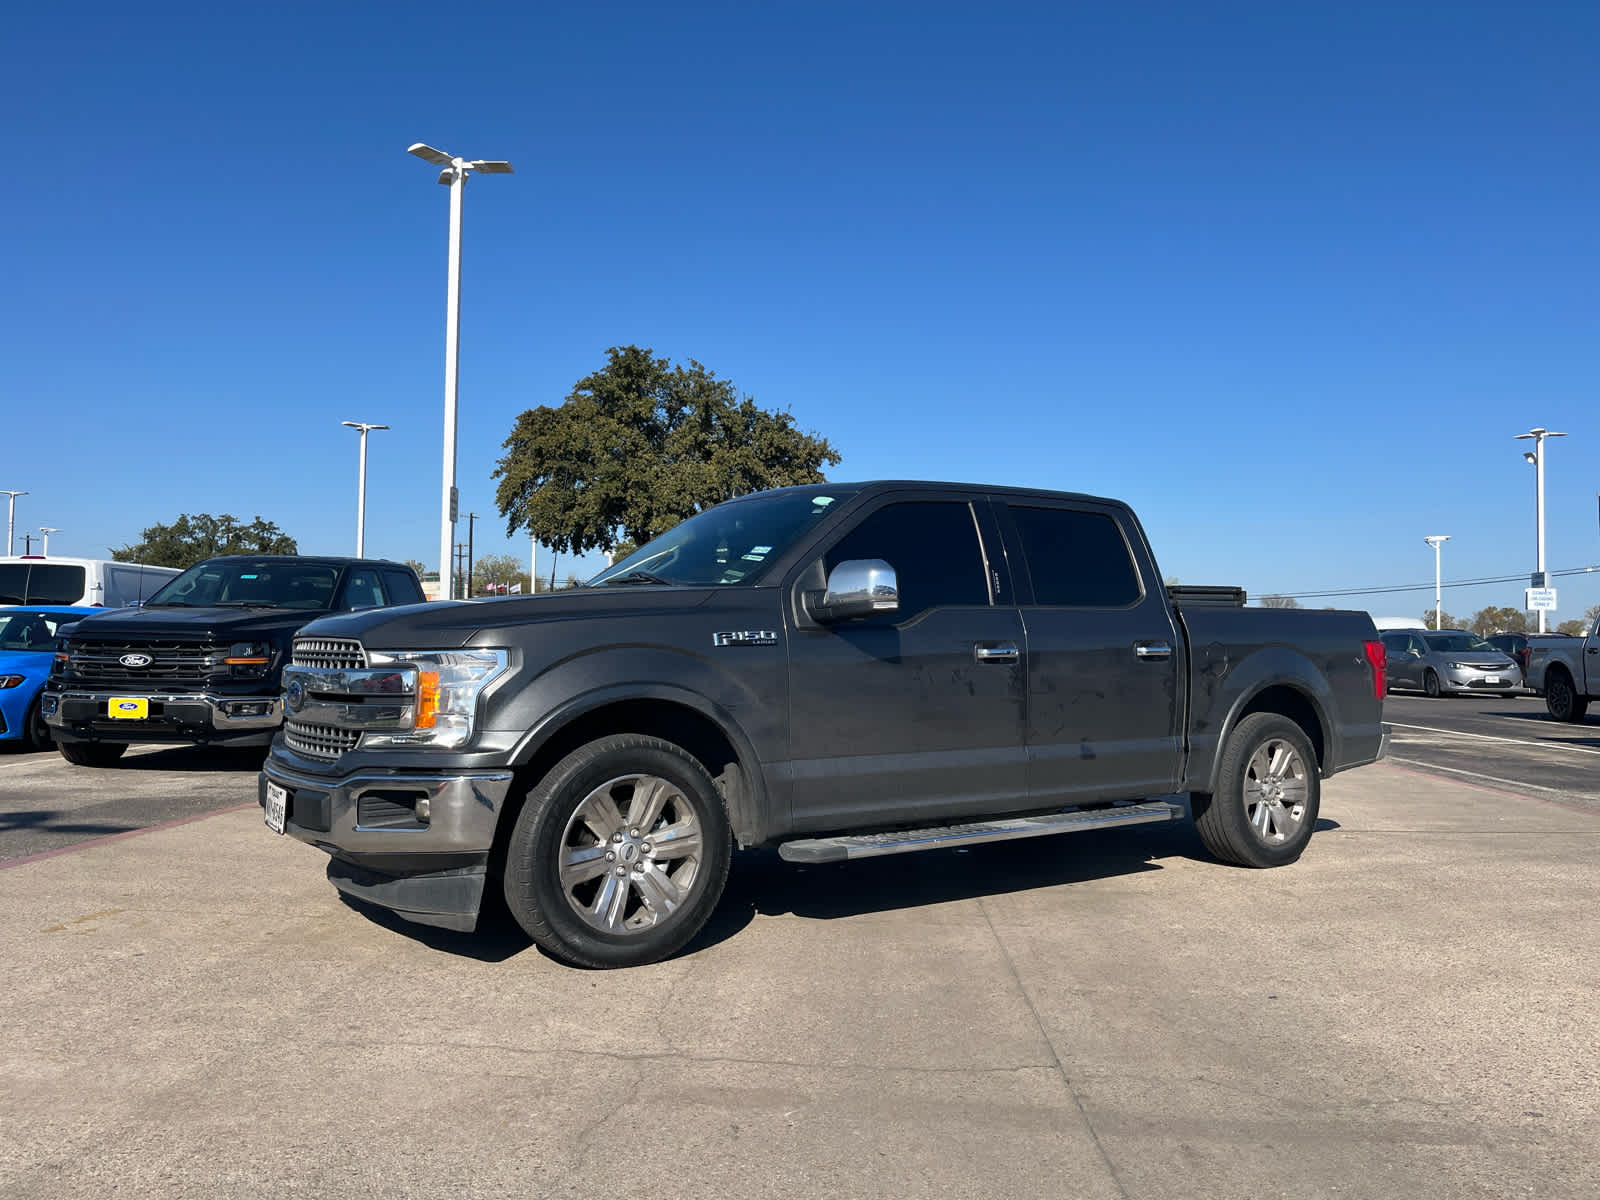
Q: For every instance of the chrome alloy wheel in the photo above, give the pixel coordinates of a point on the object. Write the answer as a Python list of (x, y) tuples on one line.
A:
[(630, 854), (1275, 791)]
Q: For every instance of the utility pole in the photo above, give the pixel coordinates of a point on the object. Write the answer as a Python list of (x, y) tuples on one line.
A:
[(472, 518)]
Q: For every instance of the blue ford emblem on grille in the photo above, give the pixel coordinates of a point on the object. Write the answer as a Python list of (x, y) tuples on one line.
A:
[(136, 660), (295, 695)]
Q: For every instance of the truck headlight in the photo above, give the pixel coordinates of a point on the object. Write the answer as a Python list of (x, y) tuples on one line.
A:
[(447, 685)]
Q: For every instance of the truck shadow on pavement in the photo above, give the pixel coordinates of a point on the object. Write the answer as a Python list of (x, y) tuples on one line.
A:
[(761, 883), (50, 821), (192, 759)]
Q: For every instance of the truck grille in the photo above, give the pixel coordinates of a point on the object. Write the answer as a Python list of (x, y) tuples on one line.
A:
[(170, 662), (337, 654), (319, 741)]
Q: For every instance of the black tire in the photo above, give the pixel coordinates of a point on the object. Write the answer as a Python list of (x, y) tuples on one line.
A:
[(623, 770), (91, 754), (35, 733), (1562, 699), (1284, 813), (1430, 684)]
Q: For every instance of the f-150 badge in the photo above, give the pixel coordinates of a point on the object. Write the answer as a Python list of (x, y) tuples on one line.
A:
[(745, 637)]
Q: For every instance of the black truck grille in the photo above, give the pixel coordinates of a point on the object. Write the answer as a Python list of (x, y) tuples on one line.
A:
[(338, 654), (119, 662), (319, 741)]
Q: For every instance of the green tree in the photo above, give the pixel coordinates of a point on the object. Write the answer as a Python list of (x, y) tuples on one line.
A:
[(494, 572), (1279, 602), (191, 539), (1498, 620), (640, 445), (1450, 621), (1579, 626)]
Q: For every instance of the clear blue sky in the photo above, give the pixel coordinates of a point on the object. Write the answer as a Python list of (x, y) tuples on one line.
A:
[(1287, 277)]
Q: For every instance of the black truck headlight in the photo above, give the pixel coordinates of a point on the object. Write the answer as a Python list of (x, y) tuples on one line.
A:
[(449, 684), (248, 660)]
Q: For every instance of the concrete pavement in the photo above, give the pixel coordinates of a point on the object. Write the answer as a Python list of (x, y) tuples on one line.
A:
[(1410, 1010)]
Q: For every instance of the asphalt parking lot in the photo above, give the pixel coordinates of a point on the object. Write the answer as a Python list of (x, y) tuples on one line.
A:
[(1410, 1009)]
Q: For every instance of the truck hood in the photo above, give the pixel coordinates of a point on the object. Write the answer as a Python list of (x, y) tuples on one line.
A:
[(447, 624), (197, 624)]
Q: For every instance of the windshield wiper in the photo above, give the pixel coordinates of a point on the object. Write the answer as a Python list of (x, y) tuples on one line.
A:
[(639, 577), (245, 604)]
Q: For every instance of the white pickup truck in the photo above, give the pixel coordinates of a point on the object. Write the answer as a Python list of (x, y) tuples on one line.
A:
[(1566, 672)]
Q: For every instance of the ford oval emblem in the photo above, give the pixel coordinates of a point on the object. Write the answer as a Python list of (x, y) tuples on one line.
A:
[(295, 695), (136, 660)]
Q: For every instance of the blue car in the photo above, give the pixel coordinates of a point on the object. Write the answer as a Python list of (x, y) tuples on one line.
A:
[(27, 644)]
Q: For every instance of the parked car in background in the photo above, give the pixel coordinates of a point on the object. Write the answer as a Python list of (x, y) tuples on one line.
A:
[(93, 582), (1448, 661), (1520, 646), (202, 660), (28, 636), (1566, 672)]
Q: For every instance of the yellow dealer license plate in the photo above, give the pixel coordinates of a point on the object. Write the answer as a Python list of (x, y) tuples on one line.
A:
[(128, 708)]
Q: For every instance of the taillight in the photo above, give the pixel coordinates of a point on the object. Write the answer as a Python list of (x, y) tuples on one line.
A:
[(1378, 660)]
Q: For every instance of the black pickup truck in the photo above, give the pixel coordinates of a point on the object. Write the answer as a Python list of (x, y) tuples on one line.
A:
[(202, 660), (838, 670)]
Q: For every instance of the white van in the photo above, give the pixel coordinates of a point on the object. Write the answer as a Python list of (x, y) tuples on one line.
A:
[(97, 582)]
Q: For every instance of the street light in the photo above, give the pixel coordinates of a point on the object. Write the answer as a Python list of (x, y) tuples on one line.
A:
[(454, 176), (361, 485), (11, 521), (1436, 541), (47, 530), (1536, 457)]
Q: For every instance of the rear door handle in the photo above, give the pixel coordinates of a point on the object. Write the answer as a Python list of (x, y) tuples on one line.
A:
[(1004, 653), (1152, 651)]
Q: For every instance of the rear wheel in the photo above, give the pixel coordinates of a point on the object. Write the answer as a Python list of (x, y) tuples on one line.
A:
[(1430, 684), (1561, 697), (1268, 794), (620, 853), (92, 754)]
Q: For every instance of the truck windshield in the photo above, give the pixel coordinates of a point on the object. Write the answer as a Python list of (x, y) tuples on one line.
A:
[(729, 544), (246, 583)]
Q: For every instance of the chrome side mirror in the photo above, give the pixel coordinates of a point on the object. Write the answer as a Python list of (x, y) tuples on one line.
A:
[(857, 588)]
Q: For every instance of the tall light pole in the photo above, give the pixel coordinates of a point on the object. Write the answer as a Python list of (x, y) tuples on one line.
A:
[(361, 485), (11, 521), (1436, 541), (454, 176), (1536, 457), (47, 530)]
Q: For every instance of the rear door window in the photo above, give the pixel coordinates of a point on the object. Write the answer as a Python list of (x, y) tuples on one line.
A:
[(402, 588), (1078, 559), (362, 589)]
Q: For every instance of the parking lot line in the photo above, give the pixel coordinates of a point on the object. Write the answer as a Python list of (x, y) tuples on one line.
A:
[(1489, 737)]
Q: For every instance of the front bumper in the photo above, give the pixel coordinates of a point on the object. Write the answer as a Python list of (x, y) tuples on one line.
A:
[(1480, 681), (412, 842), (173, 717)]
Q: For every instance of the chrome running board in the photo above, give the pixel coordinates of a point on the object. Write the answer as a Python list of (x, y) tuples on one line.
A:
[(971, 833)]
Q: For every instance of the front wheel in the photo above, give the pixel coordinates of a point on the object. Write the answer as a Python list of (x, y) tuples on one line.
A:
[(91, 754), (1561, 698), (1268, 793), (620, 853), (34, 731), (1430, 684)]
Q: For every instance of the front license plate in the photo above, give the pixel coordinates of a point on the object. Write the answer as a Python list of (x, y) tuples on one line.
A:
[(1491, 679), (128, 708), (277, 807)]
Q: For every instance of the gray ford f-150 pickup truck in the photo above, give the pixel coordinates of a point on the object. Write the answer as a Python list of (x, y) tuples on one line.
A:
[(838, 670)]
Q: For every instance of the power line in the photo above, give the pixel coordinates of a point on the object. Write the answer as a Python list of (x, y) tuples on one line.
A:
[(1428, 587)]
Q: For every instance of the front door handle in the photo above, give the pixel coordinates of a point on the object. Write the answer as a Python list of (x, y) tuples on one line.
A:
[(1003, 653), (1152, 651)]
